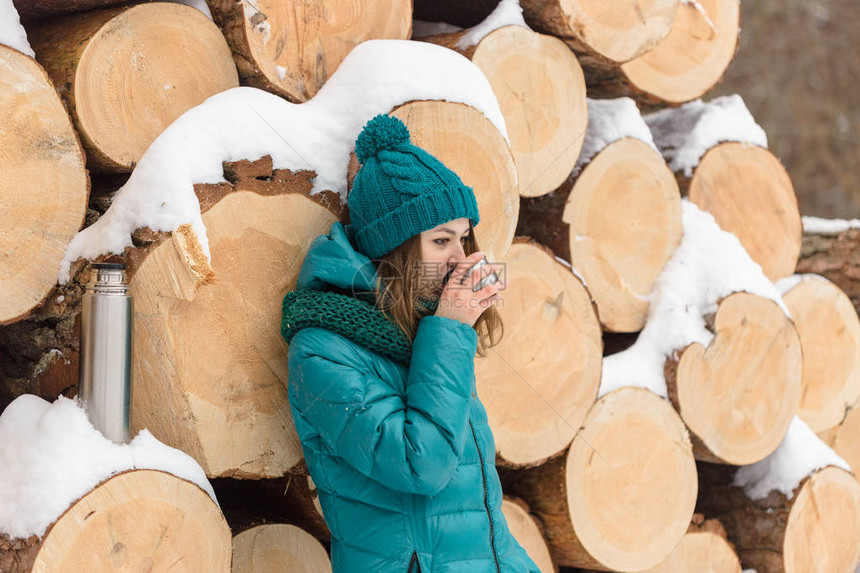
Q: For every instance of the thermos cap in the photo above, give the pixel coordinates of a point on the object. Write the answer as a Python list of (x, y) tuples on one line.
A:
[(108, 278)]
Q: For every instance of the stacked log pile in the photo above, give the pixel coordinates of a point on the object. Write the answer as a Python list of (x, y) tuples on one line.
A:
[(583, 192)]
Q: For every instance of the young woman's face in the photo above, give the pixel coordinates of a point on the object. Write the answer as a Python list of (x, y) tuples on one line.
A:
[(442, 247)]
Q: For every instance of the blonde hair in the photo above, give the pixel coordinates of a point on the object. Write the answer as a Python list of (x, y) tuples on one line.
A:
[(398, 292)]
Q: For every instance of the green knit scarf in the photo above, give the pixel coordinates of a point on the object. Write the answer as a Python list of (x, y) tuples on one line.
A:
[(355, 317)]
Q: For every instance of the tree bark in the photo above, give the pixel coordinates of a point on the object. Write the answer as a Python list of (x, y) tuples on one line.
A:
[(835, 256), (35, 9)]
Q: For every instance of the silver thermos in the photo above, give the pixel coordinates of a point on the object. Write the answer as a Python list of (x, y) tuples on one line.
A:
[(104, 376)]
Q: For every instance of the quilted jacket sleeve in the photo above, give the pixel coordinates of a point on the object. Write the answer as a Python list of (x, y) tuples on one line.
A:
[(411, 445)]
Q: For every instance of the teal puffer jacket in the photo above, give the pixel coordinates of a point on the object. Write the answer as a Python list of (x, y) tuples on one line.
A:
[(401, 454)]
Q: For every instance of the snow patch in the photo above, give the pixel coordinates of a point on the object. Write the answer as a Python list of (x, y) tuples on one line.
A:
[(506, 13), (800, 453), (785, 284), (709, 264), (608, 121), (12, 32), (51, 455), (685, 133), (248, 123), (828, 226)]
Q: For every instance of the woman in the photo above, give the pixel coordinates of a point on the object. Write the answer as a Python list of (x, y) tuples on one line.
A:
[(381, 372)]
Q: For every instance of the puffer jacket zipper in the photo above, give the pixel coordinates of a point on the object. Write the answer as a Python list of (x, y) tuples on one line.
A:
[(414, 561), (486, 498)]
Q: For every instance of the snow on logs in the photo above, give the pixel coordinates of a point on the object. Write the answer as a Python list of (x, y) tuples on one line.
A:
[(291, 48), (617, 218), (612, 463), (240, 427), (75, 501), (739, 393), (796, 510), (126, 73), (683, 66), (719, 342), (539, 384), (278, 547), (44, 198), (720, 157), (195, 268), (541, 91), (136, 520)]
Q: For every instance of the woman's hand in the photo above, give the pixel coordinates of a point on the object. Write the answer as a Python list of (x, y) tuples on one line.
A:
[(458, 301)]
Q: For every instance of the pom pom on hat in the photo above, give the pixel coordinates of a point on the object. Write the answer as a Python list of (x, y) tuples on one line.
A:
[(381, 132)]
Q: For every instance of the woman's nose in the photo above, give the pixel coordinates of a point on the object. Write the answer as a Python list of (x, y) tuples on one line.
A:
[(458, 256)]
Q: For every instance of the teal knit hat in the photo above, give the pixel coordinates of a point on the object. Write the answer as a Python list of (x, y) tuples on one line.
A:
[(400, 190)]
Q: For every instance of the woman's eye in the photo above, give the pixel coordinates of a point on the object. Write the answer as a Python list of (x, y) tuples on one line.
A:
[(462, 239)]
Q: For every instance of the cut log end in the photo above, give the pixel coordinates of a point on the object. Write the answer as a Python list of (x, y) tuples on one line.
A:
[(627, 432), (823, 530), (127, 73), (291, 49), (44, 197), (624, 217), (739, 395), (528, 532), (619, 34), (195, 326), (553, 340), (697, 549), (815, 529), (541, 91), (278, 547), (140, 519), (749, 193), (829, 331), (686, 64)]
